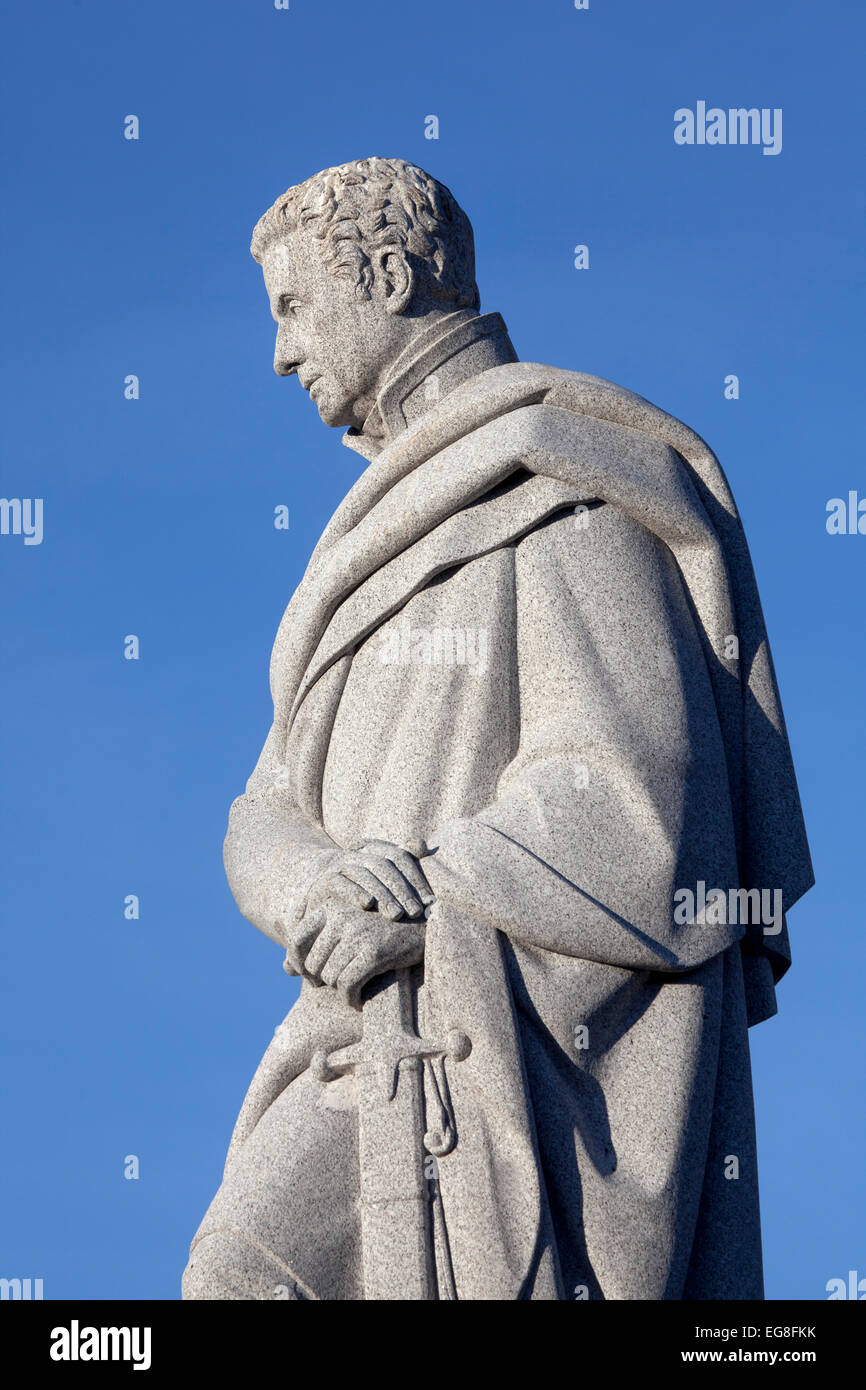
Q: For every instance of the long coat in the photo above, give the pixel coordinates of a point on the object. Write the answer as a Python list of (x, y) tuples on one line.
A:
[(531, 636)]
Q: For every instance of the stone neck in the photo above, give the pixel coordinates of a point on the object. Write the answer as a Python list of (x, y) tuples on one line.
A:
[(439, 359)]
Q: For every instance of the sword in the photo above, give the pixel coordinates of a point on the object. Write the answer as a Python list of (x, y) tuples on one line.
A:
[(389, 1063)]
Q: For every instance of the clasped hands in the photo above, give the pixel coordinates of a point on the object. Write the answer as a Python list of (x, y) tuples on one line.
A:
[(364, 915)]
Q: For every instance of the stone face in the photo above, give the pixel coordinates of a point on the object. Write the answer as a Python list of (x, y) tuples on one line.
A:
[(527, 750)]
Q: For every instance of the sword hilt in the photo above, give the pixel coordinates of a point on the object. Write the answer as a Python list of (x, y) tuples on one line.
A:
[(390, 1043)]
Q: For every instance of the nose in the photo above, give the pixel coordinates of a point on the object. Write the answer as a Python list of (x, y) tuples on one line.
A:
[(286, 359)]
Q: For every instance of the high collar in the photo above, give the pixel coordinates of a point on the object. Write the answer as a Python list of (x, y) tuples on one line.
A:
[(437, 360)]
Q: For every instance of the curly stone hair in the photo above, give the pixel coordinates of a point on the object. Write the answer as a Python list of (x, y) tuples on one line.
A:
[(355, 209)]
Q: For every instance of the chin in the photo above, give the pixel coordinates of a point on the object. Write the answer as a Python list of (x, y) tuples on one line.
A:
[(335, 414)]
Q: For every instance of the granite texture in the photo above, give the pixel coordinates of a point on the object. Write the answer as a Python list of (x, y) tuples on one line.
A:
[(523, 697)]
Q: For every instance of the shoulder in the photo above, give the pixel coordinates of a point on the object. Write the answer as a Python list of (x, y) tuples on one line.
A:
[(518, 386)]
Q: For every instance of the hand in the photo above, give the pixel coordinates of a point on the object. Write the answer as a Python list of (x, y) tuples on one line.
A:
[(351, 947), (376, 875)]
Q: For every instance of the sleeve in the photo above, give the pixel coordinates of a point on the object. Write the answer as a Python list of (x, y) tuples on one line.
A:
[(617, 797), (272, 852)]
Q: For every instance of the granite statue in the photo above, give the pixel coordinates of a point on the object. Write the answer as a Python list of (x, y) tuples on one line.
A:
[(525, 825)]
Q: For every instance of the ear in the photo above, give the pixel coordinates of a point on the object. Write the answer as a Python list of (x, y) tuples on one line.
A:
[(394, 279)]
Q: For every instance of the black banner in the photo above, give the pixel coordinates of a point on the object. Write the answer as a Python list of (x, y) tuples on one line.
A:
[(69, 1338)]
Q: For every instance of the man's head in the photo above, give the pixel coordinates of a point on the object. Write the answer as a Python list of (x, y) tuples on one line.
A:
[(355, 260)]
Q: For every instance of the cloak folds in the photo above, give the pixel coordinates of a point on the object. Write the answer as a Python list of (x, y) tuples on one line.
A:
[(606, 744)]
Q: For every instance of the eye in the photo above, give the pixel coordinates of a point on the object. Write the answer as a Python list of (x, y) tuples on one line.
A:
[(287, 305)]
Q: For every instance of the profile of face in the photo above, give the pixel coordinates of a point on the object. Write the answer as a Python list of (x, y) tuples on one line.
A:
[(339, 344)]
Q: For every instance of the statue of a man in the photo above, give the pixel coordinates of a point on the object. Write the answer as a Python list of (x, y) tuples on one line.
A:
[(528, 753)]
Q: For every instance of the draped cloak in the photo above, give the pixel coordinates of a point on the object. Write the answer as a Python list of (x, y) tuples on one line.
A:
[(531, 636)]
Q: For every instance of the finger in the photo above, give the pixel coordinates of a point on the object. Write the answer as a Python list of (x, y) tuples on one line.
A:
[(289, 964), (347, 948), (324, 944), (299, 938), (411, 870), (353, 978), (388, 904), (398, 885), (306, 931), (405, 861)]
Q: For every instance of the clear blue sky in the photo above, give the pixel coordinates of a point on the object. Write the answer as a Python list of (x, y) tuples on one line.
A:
[(556, 128)]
